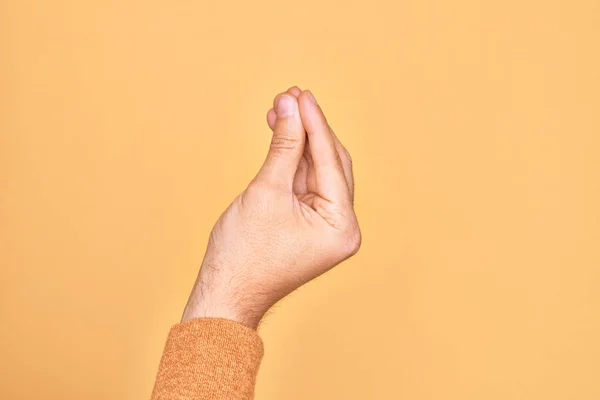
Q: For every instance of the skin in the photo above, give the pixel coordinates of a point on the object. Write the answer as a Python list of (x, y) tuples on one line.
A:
[(294, 221)]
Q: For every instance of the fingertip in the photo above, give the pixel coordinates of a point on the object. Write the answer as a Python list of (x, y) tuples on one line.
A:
[(304, 96), (311, 96), (311, 113), (308, 99), (294, 91), (271, 118), (287, 106)]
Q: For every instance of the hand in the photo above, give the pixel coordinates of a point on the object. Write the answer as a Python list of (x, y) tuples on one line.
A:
[(294, 222)]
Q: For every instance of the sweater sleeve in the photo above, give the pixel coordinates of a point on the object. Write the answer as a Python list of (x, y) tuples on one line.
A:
[(209, 358)]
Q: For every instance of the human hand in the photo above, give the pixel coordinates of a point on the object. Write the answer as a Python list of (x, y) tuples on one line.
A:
[(294, 221)]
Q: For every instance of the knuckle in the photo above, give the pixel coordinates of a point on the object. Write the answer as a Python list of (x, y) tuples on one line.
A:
[(353, 240), (283, 142), (350, 241)]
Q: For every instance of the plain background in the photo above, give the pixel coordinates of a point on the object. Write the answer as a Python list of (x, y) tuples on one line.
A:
[(128, 126)]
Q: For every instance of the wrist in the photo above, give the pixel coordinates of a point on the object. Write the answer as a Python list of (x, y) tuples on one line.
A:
[(211, 305)]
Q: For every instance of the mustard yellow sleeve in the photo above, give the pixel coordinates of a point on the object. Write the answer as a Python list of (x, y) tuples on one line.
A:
[(209, 358)]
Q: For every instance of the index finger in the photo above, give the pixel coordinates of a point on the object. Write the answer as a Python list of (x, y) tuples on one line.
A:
[(329, 173)]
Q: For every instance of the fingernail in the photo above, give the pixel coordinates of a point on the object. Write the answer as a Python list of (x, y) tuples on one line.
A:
[(312, 98), (286, 106)]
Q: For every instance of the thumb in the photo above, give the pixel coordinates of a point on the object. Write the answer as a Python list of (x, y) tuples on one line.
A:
[(287, 144)]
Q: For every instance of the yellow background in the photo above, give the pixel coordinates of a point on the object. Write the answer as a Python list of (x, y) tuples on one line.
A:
[(128, 126)]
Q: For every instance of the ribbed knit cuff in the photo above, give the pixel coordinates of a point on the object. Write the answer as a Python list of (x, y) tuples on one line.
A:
[(209, 358)]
